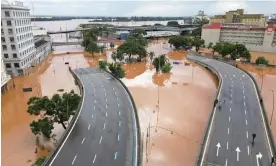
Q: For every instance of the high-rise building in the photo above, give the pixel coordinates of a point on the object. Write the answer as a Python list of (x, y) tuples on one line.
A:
[(18, 49), (4, 77), (238, 16)]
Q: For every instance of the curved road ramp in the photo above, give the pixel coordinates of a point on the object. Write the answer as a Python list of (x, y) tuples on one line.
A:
[(105, 132), (229, 140)]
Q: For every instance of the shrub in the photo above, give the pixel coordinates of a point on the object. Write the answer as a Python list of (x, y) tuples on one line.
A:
[(262, 60), (167, 68), (102, 65)]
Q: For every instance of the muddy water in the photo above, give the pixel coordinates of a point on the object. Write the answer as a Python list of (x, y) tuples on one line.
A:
[(268, 75), (185, 101), (18, 143)]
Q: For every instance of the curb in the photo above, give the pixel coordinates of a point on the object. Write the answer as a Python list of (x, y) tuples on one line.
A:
[(69, 127), (207, 129)]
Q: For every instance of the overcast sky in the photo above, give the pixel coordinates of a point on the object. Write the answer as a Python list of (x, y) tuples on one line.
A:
[(146, 7)]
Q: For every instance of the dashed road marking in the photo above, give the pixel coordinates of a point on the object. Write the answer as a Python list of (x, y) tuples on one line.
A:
[(246, 121), (228, 130), (248, 151), (227, 145), (104, 125), (101, 140), (246, 134), (82, 140), (94, 158), (229, 118), (74, 160), (230, 109), (118, 137), (119, 123), (89, 127), (115, 155)]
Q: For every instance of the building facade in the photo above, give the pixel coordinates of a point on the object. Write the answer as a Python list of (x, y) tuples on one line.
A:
[(238, 16), (18, 49), (43, 47), (254, 38), (4, 77)]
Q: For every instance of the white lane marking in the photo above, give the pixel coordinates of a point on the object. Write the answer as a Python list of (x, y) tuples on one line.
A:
[(89, 127), (118, 104), (230, 101), (117, 98), (95, 101), (243, 97), (106, 106), (231, 94), (244, 103), (248, 150), (226, 162), (92, 116), (246, 134), (204, 151), (118, 137), (119, 123), (230, 109), (227, 145), (105, 99), (119, 113), (113, 88), (246, 121), (105, 94), (245, 112), (104, 125), (82, 140), (101, 140), (94, 158), (106, 114), (229, 118), (74, 160), (94, 107), (228, 131), (73, 124), (115, 155)]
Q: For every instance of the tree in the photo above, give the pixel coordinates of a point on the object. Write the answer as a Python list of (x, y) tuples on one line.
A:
[(210, 45), (217, 47), (173, 23), (132, 47), (262, 60), (114, 56), (151, 55), (167, 68), (112, 45), (116, 70), (159, 62), (138, 33), (92, 48), (180, 41), (39, 161), (197, 43), (157, 24), (57, 109), (102, 65), (197, 32)]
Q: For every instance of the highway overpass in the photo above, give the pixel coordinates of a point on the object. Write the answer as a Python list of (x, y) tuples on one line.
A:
[(228, 141)]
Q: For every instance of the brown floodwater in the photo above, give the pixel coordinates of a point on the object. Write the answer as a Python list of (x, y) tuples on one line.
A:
[(266, 79), (185, 98)]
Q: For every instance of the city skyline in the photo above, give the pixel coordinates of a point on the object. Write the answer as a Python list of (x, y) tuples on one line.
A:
[(142, 8)]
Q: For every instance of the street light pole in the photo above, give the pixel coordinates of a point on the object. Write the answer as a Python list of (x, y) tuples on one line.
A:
[(262, 80), (273, 105)]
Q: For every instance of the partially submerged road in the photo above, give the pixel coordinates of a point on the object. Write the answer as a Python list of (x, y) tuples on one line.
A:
[(105, 131), (229, 140)]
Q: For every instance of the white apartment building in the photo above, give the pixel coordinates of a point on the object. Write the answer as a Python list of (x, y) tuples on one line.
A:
[(261, 39), (4, 77), (18, 49)]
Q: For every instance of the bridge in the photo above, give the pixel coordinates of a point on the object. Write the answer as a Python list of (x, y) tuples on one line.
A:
[(130, 28)]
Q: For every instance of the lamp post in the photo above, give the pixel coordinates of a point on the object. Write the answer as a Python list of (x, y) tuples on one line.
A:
[(273, 105), (262, 80)]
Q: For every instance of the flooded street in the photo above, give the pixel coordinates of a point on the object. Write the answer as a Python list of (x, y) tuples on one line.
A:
[(176, 128)]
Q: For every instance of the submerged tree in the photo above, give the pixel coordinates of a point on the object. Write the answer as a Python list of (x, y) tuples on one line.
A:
[(57, 109)]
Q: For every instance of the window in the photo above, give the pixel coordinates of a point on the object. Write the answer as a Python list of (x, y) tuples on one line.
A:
[(3, 39), (8, 65), (14, 55), (10, 31), (12, 39), (13, 47), (6, 55), (16, 65), (2, 31), (4, 47), (9, 23), (7, 13)]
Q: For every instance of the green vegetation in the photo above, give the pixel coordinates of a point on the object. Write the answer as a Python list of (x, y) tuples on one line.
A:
[(262, 60), (57, 109), (173, 23), (235, 50), (198, 43), (39, 161), (135, 45), (103, 65), (162, 63), (116, 70), (210, 45), (197, 32), (112, 45), (151, 55), (180, 41), (92, 48)]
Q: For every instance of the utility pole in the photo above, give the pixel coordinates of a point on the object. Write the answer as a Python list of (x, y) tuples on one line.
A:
[(273, 106), (262, 79)]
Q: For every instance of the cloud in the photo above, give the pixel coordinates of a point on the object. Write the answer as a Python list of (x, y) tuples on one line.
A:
[(146, 7)]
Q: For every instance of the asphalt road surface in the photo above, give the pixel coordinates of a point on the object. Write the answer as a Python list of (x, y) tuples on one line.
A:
[(104, 133), (229, 141)]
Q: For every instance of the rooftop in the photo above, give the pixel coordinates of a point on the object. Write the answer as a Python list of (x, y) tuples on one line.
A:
[(13, 5)]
